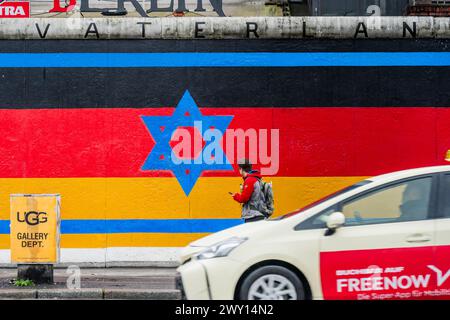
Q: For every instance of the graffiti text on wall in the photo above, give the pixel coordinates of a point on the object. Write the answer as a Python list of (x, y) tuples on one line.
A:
[(10, 9), (247, 29), (154, 7)]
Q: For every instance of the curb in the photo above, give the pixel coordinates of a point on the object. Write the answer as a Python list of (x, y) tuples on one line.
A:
[(138, 294), (18, 294), (69, 294), (94, 294), (142, 264)]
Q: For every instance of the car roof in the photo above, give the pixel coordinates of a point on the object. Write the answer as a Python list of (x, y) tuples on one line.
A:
[(410, 173)]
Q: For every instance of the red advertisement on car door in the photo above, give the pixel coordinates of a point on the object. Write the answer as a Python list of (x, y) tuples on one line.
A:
[(386, 274)]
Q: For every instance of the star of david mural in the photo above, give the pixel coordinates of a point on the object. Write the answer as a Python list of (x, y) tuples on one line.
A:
[(162, 129)]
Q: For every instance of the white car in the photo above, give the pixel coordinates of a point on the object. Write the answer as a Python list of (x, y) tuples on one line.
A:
[(387, 237)]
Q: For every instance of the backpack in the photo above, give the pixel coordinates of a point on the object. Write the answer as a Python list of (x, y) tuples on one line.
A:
[(266, 206)]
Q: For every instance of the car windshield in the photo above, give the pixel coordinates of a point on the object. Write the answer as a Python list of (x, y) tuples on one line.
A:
[(326, 198)]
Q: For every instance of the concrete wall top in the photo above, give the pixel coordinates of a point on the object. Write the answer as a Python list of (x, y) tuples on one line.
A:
[(225, 28)]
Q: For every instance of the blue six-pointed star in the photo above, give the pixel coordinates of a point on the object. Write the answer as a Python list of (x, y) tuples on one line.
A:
[(161, 157)]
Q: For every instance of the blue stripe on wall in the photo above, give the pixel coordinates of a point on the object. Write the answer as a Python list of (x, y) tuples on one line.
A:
[(213, 59), (139, 225), (4, 226)]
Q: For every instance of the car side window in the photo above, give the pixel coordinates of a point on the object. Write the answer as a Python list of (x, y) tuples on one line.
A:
[(445, 196), (317, 221), (405, 201)]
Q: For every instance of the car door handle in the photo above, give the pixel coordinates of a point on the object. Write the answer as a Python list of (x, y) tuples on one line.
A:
[(418, 238)]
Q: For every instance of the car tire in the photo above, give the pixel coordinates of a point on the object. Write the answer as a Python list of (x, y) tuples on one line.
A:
[(272, 283)]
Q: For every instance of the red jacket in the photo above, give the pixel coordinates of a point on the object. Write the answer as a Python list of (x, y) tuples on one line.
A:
[(247, 188)]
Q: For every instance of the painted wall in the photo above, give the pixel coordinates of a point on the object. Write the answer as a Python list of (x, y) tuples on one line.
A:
[(359, 7), (73, 123)]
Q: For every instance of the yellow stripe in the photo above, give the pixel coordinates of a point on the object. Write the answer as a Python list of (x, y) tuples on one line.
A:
[(83, 241), (4, 241), (162, 198), (120, 240), (152, 239)]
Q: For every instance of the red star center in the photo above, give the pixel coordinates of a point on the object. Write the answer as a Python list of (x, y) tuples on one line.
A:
[(187, 142)]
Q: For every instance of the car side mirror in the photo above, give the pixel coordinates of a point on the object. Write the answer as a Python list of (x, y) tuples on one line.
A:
[(334, 221)]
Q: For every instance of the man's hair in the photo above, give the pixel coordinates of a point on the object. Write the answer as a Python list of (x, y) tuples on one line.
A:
[(245, 165)]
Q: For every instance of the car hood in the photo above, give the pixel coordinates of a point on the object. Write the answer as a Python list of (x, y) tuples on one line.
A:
[(248, 230)]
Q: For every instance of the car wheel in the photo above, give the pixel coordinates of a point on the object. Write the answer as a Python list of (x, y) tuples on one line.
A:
[(272, 283)]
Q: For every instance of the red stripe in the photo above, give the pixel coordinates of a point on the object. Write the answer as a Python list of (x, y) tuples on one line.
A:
[(313, 141)]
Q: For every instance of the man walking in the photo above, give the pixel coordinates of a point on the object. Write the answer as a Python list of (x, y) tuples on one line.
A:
[(251, 195)]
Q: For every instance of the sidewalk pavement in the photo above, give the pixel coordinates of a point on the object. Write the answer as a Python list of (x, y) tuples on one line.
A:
[(98, 283)]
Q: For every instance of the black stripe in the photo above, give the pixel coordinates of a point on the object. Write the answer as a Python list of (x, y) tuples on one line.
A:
[(272, 45), (225, 87)]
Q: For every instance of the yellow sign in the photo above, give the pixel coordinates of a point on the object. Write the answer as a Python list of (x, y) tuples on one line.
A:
[(35, 222)]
